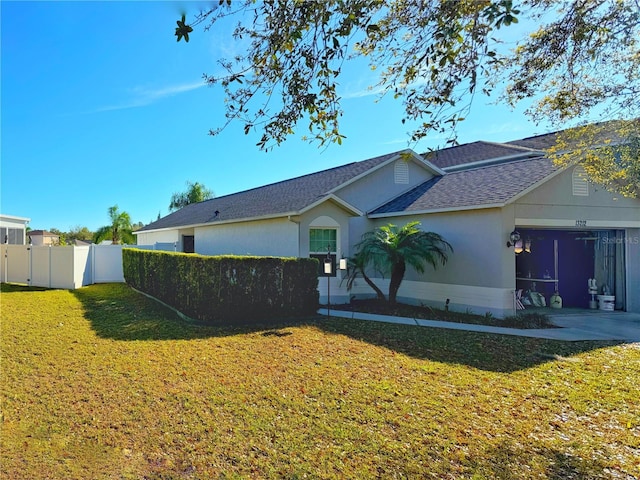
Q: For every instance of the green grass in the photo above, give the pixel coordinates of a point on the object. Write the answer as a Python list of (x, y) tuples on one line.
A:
[(102, 383)]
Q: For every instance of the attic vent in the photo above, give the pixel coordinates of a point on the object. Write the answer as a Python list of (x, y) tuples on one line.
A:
[(579, 182), (401, 172)]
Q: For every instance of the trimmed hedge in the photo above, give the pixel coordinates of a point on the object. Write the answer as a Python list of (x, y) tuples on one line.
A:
[(225, 289)]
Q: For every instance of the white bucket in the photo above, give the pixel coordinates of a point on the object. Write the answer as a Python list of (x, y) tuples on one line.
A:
[(607, 302)]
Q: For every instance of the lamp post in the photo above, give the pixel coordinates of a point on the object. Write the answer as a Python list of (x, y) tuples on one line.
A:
[(328, 267)]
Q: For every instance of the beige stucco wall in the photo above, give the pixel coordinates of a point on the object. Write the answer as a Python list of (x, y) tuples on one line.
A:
[(480, 273), (554, 205), (272, 237), (478, 238), (379, 186), (38, 240), (315, 216)]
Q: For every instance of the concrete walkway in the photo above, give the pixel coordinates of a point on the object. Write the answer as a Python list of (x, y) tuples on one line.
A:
[(574, 327)]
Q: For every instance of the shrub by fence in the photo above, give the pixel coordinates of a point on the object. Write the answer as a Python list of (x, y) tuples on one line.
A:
[(225, 289)]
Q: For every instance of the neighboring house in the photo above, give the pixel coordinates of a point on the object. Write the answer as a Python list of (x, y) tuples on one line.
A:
[(42, 237), (474, 195), (13, 229), (82, 243)]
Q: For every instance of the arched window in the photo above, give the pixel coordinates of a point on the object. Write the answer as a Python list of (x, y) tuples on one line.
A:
[(323, 239)]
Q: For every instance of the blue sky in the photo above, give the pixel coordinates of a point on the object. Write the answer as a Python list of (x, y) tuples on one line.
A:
[(101, 106)]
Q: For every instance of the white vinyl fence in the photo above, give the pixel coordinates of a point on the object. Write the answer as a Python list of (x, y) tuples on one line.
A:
[(66, 267), (61, 267)]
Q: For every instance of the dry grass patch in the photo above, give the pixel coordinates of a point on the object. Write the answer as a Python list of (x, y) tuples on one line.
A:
[(103, 383)]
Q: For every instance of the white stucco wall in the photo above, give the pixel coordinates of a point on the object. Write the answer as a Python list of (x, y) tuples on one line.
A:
[(276, 237), (163, 236)]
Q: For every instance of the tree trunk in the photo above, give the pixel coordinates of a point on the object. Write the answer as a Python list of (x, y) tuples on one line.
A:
[(397, 274), (373, 285)]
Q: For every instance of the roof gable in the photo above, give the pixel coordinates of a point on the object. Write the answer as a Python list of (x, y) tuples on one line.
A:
[(481, 187)]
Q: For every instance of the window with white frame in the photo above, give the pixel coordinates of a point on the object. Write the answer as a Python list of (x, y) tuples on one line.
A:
[(323, 241), (12, 236)]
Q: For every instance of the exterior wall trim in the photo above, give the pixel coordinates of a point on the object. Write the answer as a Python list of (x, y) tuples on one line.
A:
[(572, 222), (331, 197)]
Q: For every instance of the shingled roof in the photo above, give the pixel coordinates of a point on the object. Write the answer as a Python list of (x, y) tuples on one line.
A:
[(492, 185), (476, 152), (476, 175), (281, 198)]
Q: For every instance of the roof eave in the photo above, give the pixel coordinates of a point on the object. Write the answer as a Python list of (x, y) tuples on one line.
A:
[(436, 210), (331, 197), (348, 207)]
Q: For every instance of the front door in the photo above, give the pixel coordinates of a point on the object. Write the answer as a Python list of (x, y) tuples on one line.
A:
[(188, 244)]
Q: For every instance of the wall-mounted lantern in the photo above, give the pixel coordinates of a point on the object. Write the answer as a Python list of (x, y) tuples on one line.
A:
[(518, 243), (515, 241), (343, 263), (514, 237)]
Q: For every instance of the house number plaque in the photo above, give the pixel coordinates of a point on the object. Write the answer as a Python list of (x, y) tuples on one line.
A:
[(581, 223)]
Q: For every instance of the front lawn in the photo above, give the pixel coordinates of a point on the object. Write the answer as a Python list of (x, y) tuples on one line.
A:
[(103, 383)]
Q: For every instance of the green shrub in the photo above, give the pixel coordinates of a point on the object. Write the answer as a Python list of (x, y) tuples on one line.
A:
[(527, 320), (225, 289)]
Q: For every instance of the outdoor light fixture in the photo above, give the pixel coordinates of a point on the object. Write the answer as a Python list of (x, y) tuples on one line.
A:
[(327, 266), (514, 237), (343, 264), (518, 247), (328, 263), (527, 245)]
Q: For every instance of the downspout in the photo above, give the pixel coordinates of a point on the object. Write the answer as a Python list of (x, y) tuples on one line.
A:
[(297, 222)]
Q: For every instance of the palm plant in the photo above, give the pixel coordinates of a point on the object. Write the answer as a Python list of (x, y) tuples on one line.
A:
[(196, 192), (118, 231), (357, 267), (389, 249)]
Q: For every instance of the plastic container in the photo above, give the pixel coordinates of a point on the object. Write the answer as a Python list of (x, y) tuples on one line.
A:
[(607, 302)]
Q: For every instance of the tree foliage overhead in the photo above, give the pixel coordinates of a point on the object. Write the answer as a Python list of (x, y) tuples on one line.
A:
[(434, 57), (196, 192), (586, 57), (609, 153)]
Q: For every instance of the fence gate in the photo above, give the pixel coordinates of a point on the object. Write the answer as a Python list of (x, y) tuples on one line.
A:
[(67, 267)]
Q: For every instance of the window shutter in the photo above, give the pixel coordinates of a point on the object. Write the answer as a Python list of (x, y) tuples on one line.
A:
[(401, 172), (579, 182)]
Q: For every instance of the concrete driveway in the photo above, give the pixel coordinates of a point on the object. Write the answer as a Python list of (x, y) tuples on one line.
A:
[(598, 324)]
